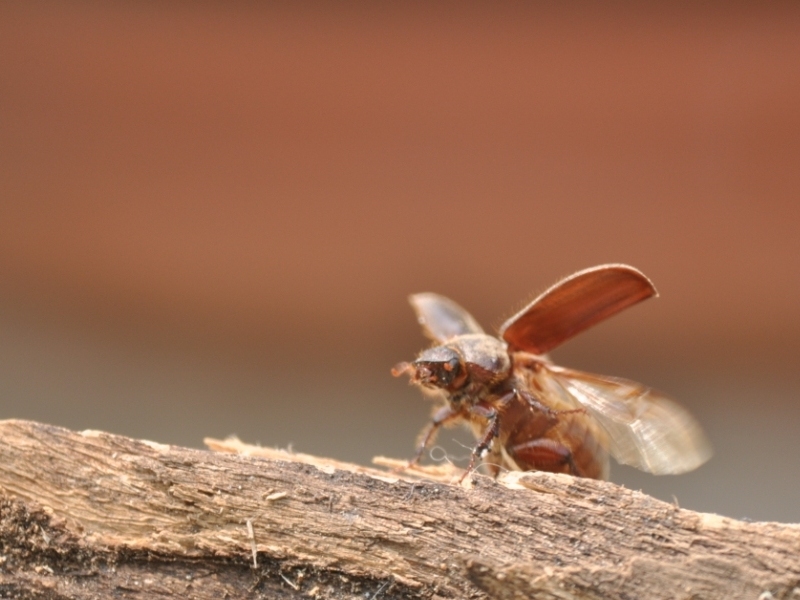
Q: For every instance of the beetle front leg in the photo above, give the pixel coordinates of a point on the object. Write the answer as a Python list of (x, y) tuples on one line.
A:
[(440, 417)]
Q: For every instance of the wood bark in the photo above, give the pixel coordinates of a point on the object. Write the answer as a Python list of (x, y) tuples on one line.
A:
[(95, 515)]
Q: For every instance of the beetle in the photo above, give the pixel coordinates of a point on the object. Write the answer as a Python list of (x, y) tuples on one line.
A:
[(530, 414)]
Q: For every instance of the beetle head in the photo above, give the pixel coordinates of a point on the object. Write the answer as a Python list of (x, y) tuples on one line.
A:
[(476, 359)]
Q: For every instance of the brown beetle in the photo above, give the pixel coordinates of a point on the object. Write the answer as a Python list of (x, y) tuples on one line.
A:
[(529, 414)]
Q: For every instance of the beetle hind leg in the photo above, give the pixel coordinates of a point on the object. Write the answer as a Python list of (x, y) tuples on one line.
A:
[(545, 455)]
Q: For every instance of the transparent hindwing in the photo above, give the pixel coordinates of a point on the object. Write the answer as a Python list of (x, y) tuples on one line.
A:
[(645, 428)]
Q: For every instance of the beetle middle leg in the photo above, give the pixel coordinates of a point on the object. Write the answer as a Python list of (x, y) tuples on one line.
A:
[(482, 447)]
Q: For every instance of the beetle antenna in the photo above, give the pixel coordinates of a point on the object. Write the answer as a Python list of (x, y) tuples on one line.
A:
[(400, 368)]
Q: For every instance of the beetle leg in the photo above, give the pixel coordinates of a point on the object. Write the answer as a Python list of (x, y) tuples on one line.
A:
[(440, 417), (550, 412), (503, 400), (545, 455), (480, 450)]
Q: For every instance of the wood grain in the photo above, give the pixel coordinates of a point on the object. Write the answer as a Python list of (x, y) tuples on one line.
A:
[(96, 515)]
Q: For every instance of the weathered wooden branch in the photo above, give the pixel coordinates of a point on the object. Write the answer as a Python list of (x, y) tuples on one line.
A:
[(95, 515)]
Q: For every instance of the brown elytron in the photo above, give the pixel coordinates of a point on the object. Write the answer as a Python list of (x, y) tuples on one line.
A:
[(529, 414)]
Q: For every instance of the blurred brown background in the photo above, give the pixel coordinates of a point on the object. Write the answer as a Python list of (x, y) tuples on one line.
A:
[(211, 214)]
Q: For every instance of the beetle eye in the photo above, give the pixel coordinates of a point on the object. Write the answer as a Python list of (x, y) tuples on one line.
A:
[(452, 365)]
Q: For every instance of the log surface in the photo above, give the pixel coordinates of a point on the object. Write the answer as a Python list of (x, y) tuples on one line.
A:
[(96, 515)]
